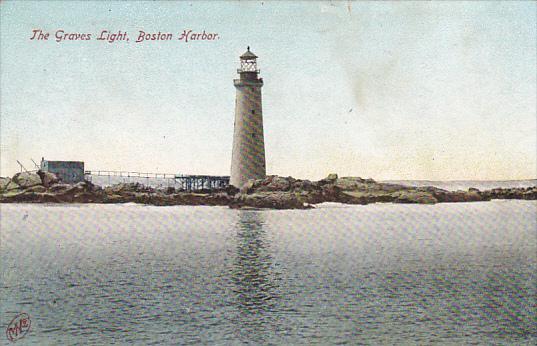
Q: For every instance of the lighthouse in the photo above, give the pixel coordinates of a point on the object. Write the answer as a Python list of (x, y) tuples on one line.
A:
[(248, 156)]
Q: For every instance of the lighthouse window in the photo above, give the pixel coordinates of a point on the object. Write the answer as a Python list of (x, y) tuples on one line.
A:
[(253, 111)]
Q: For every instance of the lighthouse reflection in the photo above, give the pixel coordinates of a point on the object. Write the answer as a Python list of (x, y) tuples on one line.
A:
[(254, 280)]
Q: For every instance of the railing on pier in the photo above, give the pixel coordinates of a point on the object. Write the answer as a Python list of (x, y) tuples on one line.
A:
[(202, 182), (178, 181)]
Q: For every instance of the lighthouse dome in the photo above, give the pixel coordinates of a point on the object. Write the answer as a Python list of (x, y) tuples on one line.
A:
[(248, 55)]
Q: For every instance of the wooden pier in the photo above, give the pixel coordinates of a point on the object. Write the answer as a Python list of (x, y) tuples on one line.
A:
[(202, 182), (179, 181)]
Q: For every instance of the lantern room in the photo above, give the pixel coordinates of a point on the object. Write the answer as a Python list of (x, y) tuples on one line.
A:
[(248, 69)]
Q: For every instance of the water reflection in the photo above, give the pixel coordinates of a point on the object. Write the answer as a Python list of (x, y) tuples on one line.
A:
[(254, 278)]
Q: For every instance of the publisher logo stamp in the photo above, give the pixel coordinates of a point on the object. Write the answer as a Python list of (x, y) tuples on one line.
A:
[(18, 327)]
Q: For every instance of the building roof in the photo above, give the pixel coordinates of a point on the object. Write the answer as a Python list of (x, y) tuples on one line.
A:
[(248, 55), (56, 161)]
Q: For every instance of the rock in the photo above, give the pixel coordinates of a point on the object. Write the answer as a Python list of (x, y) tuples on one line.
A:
[(331, 176), (273, 192), (12, 186), (29, 197), (272, 200), (331, 193), (304, 185), (218, 199), (355, 197), (16, 197), (47, 198), (231, 190), (418, 197), (430, 189), (27, 179), (48, 179), (162, 199), (59, 188), (311, 197), (528, 193), (358, 197), (275, 183), (350, 183), (4, 183), (249, 186), (204, 199), (113, 198), (89, 186), (270, 183), (392, 187), (86, 197), (81, 192), (37, 188), (128, 187), (459, 196)]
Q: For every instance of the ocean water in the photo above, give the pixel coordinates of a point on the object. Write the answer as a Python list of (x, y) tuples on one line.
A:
[(338, 274)]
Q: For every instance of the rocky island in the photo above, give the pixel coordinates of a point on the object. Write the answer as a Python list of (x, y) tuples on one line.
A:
[(273, 192)]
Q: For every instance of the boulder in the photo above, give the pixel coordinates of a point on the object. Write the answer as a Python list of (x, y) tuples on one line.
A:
[(331, 176), (48, 179), (27, 179), (330, 179), (4, 182), (12, 186)]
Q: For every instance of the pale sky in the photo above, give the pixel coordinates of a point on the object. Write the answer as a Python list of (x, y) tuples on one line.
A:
[(388, 90)]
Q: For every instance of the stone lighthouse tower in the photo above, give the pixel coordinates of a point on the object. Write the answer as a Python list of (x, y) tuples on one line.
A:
[(248, 158)]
